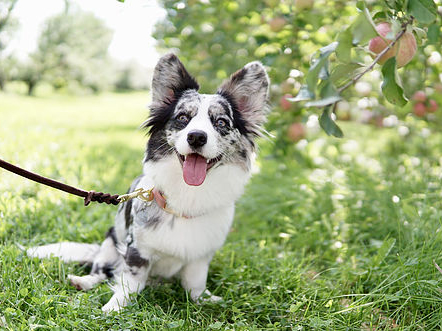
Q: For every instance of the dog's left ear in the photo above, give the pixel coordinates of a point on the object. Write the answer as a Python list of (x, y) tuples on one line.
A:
[(248, 91), (170, 79)]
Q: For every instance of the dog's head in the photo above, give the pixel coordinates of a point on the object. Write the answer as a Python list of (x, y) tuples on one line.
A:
[(205, 131)]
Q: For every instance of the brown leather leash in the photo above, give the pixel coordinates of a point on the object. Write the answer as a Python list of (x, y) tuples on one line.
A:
[(87, 195)]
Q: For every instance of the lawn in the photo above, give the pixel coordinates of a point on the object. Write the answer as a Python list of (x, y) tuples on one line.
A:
[(334, 234)]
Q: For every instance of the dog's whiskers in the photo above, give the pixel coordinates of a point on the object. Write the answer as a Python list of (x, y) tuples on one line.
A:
[(162, 145)]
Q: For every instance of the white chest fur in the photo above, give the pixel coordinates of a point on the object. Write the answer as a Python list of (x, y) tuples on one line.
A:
[(185, 239), (210, 208)]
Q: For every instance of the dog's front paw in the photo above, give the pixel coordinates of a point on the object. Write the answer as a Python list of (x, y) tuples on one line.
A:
[(116, 303), (208, 297), (79, 283), (111, 306), (213, 298)]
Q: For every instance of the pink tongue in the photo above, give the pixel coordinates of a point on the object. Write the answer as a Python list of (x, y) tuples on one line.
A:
[(194, 169)]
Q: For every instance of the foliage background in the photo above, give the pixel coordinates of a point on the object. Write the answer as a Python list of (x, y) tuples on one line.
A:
[(214, 39), (339, 234)]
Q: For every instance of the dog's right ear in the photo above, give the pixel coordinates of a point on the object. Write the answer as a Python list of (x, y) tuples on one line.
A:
[(170, 79)]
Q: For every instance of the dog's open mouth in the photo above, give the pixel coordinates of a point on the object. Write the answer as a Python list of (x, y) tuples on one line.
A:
[(195, 167)]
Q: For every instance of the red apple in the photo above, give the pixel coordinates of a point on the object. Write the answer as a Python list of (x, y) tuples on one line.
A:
[(284, 103), (419, 109), (419, 96), (303, 4), (296, 132), (277, 23), (432, 106), (404, 49)]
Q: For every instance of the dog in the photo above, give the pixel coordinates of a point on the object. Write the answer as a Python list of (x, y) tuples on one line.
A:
[(197, 161)]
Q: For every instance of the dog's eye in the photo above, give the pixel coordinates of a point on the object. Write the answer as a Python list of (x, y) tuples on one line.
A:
[(221, 123), (183, 118)]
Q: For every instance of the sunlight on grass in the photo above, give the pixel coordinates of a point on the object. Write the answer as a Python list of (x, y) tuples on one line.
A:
[(339, 233)]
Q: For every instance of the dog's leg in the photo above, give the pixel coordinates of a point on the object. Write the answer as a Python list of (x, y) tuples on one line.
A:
[(87, 282), (103, 266), (131, 280), (193, 279)]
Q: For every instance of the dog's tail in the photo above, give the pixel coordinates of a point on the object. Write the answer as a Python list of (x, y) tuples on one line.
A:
[(67, 251)]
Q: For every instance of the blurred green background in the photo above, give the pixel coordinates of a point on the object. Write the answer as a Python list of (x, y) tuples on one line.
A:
[(331, 234)]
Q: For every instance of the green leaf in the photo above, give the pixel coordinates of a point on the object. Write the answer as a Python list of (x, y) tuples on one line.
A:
[(303, 94), (328, 90), (380, 15), (396, 27), (420, 34), (383, 251), (391, 87), (323, 72), (433, 33), (318, 66), (323, 102), (327, 50), (360, 5), (329, 95), (363, 28), (396, 5), (425, 11), (343, 72), (328, 125), (343, 51)]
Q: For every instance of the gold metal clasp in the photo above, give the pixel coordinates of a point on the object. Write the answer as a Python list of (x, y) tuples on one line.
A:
[(140, 193)]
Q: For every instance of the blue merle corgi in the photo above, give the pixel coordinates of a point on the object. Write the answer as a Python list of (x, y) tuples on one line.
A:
[(197, 161)]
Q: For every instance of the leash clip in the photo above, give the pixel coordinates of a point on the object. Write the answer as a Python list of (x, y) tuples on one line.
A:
[(149, 195), (140, 193)]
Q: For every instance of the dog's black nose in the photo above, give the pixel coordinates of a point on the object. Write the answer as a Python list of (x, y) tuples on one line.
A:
[(197, 138)]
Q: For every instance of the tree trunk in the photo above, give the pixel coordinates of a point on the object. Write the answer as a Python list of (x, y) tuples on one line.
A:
[(31, 86)]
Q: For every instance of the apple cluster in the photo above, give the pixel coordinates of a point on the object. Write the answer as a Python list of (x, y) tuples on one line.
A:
[(403, 50), (296, 131), (423, 105)]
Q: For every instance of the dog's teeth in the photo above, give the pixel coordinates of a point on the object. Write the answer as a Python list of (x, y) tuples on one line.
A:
[(207, 161)]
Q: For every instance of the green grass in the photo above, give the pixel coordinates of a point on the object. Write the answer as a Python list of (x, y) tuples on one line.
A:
[(338, 234)]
